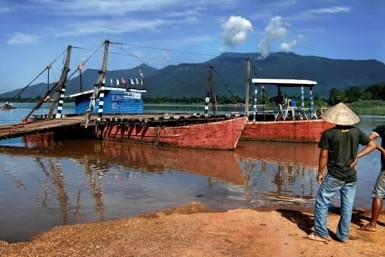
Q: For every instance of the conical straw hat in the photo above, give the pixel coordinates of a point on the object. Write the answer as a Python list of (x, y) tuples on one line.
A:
[(340, 114)]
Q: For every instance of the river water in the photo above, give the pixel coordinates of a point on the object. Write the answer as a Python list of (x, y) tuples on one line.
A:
[(78, 181)]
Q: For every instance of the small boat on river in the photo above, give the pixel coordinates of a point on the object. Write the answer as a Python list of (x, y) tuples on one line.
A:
[(7, 106)]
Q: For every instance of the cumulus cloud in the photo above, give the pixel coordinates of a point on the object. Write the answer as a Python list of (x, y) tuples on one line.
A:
[(236, 30), (276, 31), (276, 28), (22, 39), (289, 46)]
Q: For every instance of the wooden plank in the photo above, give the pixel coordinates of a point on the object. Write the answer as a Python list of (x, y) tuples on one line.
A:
[(21, 129)]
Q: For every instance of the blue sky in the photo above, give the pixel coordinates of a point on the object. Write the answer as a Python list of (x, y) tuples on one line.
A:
[(34, 33)]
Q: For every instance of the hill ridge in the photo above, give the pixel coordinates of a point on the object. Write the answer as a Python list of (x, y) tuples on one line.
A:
[(191, 79)]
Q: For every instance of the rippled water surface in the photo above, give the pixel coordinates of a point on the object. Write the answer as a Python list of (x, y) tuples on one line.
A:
[(67, 182)]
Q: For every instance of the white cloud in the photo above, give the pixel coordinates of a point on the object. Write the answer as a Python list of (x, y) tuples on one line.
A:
[(274, 31), (320, 13), (22, 39), (289, 47), (236, 30), (330, 10), (103, 7), (111, 26)]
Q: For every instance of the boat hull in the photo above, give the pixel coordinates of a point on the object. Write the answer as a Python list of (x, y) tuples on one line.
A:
[(221, 135), (285, 131)]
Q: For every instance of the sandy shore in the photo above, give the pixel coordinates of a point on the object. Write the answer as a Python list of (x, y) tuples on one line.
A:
[(193, 231)]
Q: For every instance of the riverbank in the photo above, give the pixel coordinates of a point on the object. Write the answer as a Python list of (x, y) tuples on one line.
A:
[(192, 230)]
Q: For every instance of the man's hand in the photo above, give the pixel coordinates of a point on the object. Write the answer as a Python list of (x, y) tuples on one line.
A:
[(353, 164), (320, 178)]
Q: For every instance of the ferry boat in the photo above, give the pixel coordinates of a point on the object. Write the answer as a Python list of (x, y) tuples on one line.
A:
[(116, 113)]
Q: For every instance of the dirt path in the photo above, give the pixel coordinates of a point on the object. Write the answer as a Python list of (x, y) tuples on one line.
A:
[(192, 231)]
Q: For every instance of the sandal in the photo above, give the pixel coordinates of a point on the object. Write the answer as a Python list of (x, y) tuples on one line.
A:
[(314, 237), (367, 228)]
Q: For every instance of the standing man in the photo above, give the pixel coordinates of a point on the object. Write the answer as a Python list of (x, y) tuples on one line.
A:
[(378, 192), (338, 151)]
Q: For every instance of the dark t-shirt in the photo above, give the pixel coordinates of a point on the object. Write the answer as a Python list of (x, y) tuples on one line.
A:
[(380, 130), (342, 143)]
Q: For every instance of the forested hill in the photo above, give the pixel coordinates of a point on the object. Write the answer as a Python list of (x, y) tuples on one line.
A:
[(229, 75)]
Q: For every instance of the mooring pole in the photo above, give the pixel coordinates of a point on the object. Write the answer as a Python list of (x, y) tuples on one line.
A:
[(247, 90)]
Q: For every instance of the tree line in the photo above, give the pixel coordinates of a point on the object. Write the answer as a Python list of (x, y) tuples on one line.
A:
[(355, 94), (221, 99), (349, 95)]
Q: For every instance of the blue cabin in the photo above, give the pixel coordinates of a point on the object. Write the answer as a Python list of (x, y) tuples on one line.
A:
[(116, 101)]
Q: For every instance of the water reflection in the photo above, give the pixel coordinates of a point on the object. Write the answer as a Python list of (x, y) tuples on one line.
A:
[(52, 183), (45, 183), (76, 181), (278, 172)]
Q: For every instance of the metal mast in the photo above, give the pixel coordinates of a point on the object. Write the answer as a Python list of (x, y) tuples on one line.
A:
[(59, 95), (98, 85), (247, 91), (60, 83), (211, 91)]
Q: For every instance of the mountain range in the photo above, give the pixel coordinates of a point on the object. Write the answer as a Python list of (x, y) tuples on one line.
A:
[(229, 75)]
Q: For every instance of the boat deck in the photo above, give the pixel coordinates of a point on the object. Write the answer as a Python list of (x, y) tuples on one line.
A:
[(40, 124), (26, 128)]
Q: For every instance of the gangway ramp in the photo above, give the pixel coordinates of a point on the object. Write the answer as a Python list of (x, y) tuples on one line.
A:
[(41, 126)]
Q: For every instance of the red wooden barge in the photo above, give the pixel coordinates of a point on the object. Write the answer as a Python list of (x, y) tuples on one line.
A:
[(289, 131), (289, 122), (212, 132)]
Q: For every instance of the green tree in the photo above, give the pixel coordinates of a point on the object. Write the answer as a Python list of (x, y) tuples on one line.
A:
[(336, 96), (376, 92), (354, 94)]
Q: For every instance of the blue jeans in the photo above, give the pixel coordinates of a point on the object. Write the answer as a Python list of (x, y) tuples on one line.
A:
[(327, 190)]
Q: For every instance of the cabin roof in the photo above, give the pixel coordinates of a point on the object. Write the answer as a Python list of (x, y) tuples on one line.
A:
[(285, 82), (89, 92)]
